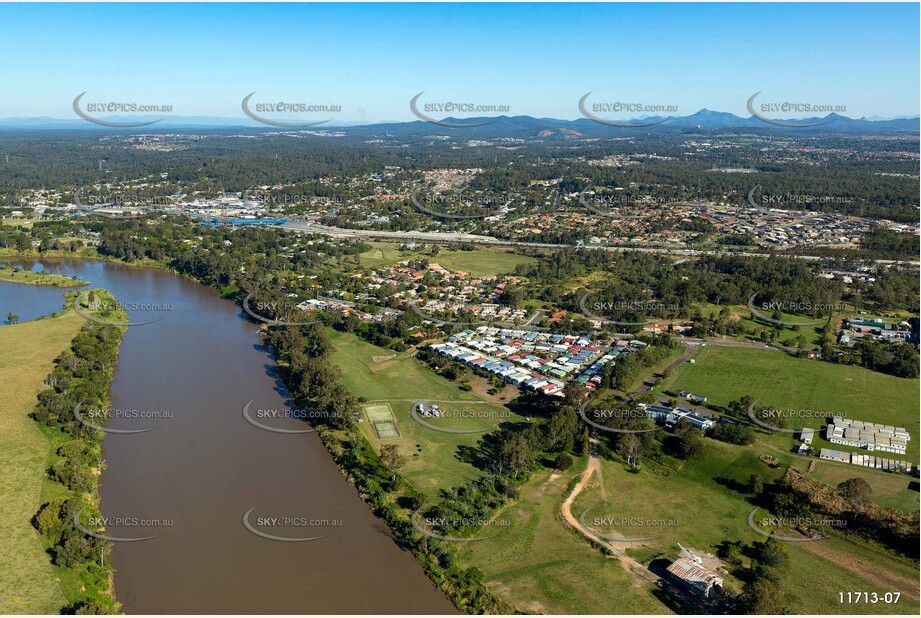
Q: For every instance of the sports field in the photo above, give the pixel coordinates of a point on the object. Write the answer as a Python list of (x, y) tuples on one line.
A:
[(28, 583), (436, 459)]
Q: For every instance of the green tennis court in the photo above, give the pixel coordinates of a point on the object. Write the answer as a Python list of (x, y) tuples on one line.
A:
[(377, 412), (382, 419), (386, 430)]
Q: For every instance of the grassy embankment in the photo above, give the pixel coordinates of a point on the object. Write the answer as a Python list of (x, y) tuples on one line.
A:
[(29, 583), (15, 275)]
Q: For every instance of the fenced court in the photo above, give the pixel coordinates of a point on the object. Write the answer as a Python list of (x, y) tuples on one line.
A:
[(382, 419)]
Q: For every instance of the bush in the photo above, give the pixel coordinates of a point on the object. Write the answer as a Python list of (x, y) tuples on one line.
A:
[(563, 462)]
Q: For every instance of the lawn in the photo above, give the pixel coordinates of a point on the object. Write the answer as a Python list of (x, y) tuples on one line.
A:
[(398, 379), (700, 510), (540, 565), (780, 381), (28, 584)]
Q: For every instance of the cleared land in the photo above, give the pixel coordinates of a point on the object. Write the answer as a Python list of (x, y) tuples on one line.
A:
[(436, 459), (702, 509), (28, 584), (541, 565)]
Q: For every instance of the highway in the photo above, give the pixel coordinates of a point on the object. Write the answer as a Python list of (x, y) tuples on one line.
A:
[(304, 226)]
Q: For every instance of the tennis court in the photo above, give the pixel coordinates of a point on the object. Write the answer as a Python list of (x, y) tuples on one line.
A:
[(382, 419)]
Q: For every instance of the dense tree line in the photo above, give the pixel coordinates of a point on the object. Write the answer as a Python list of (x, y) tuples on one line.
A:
[(80, 380)]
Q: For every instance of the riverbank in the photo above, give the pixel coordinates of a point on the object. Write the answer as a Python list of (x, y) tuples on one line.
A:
[(28, 277), (29, 581), (57, 461)]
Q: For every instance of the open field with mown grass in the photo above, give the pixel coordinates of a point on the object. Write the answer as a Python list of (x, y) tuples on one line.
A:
[(699, 507), (435, 459), (28, 584), (540, 565), (778, 380)]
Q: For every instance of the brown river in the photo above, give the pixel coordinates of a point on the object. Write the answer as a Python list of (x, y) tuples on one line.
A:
[(190, 482)]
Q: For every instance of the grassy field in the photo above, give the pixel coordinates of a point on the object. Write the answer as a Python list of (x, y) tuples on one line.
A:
[(398, 379), (696, 507), (33, 278), (28, 583), (780, 381), (542, 566), (482, 263), (479, 263)]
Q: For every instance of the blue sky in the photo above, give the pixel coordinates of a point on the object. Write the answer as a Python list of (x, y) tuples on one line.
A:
[(538, 59)]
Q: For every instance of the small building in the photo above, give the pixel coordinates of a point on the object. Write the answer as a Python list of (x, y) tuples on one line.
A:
[(827, 453), (696, 577), (806, 434)]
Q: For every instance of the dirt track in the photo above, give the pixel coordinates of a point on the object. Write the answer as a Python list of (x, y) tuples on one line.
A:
[(633, 567)]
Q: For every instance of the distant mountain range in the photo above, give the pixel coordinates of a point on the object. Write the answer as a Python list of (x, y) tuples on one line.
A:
[(492, 127)]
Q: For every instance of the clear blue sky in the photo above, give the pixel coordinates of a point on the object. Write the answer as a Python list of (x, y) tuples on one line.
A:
[(539, 59)]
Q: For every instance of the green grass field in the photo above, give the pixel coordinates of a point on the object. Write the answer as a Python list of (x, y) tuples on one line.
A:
[(778, 380), (28, 584), (479, 263), (542, 566), (706, 511), (400, 380)]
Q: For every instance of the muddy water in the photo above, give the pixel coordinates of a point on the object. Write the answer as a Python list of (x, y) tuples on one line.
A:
[(189, 482)]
